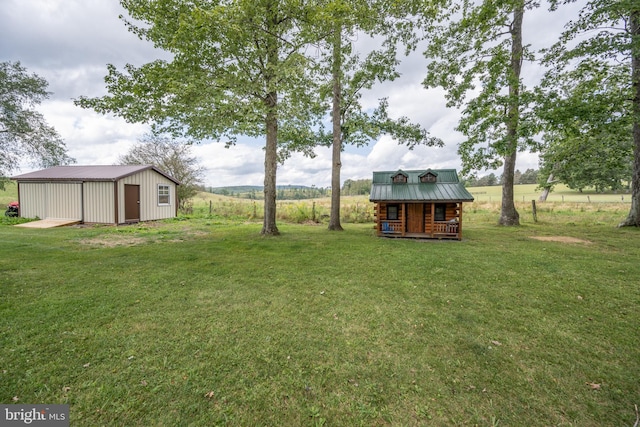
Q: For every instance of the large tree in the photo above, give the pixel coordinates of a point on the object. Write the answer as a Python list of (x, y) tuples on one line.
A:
[(24, 133), (597, 74), (237, 68), (587, 125), (351, 74), (477, 54), (171, 156)]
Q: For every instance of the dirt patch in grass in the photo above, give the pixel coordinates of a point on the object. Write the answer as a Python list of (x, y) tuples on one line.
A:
[(112, 241), (143, 236), (561, 239)]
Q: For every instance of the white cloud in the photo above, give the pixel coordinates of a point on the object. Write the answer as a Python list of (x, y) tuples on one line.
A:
[(241, 164), (92, 138)]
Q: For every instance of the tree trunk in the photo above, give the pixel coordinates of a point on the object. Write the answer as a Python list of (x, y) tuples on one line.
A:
[(270, 167), (633, 219), (546, 190), (336, 116), (271, 148), (509, 215)]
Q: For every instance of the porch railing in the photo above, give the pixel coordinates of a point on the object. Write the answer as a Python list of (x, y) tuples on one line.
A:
[(391, 227), (445, 227), (439, 227)]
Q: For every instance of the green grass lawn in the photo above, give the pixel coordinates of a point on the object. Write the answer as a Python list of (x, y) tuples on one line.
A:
[(204, 322)]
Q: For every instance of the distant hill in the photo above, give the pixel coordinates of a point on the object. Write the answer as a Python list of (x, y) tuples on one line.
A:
[(284, 192), (235, 189)]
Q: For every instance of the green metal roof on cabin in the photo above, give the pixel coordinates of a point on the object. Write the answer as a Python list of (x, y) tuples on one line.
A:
[(446, 188)]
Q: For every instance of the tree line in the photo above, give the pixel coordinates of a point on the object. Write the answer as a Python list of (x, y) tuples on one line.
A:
[(285, 70), (282, 192), (349, 188), (530, 176)]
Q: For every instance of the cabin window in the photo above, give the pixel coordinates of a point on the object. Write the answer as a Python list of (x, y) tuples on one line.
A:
[(440, 213), (392, 212), (399, 178), (428, 178), (163, 194)]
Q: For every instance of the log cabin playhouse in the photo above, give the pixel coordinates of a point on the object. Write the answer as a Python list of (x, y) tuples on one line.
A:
[(423, 204)]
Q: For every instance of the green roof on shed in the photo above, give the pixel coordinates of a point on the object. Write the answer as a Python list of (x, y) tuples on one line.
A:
[(447, 187)]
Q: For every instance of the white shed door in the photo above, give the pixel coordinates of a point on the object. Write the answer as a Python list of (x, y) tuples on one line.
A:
[(64, 200)]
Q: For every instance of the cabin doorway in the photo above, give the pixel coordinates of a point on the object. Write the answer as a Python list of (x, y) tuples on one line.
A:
[(415, 218)]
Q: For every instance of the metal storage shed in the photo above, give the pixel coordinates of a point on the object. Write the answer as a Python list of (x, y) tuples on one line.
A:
[(98, 194)]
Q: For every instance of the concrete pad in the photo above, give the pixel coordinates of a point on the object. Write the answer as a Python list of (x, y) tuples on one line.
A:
[(48, 223)]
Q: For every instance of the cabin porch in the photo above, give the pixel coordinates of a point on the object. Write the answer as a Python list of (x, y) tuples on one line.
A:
[(419, 220)]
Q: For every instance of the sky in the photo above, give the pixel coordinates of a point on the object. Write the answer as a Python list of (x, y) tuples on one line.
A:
[(70, 42)]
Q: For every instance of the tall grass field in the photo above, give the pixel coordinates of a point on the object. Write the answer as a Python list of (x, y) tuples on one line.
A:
[(200, 321)]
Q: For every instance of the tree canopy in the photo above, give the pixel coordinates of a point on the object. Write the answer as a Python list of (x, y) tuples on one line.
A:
[(238, 68), (241, 68), (24, 133), (352, 73), (478, 53), (592, 95)]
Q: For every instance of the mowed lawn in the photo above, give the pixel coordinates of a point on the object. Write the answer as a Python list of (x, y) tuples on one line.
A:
[(204, 322)]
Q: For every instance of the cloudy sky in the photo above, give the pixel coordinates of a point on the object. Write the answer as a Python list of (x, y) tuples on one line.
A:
[(70, 42)]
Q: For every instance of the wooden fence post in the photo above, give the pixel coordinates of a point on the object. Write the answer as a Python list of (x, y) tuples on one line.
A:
[(535, 211)]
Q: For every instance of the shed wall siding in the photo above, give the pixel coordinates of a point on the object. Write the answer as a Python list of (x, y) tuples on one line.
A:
[(149, 209), (99, 202), (33, 200), (51, 200), (64, 201)]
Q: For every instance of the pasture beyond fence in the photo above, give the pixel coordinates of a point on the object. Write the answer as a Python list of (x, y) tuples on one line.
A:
[(562, 194), (353, 209), (358, 209)]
